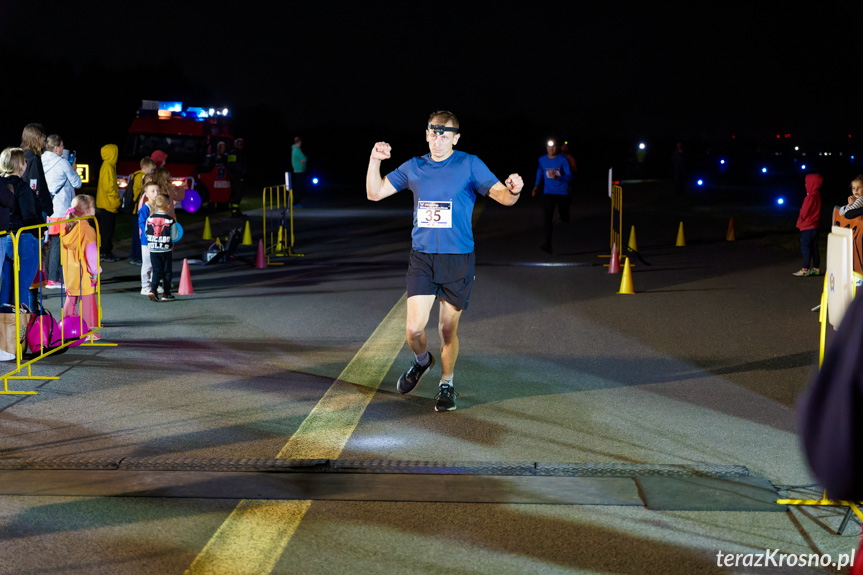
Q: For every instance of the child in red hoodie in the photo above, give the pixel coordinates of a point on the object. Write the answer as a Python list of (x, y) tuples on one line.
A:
[(807, 223)]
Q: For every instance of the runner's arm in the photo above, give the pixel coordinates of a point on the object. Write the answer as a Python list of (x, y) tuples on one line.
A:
[(378, 188), (508, 192)]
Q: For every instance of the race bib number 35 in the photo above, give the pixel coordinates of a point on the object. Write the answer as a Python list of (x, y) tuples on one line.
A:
[(434, 214)]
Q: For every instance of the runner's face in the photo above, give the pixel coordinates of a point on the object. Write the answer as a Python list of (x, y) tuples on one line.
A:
[(441, 146)]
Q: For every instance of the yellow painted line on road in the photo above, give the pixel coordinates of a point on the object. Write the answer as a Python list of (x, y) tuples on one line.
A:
[(255, 534)]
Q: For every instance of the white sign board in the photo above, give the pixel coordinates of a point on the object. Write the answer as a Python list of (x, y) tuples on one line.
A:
[(840, 274)]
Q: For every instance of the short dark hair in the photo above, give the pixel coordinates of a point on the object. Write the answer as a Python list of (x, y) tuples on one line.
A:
[(443, 117)]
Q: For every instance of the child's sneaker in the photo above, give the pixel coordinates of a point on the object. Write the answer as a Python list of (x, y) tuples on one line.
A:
[(814, 272), (53, 285), (804, 272), (152, 295), (145, 291), (168, 297)]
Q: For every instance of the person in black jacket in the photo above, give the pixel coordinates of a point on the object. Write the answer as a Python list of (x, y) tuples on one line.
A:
[(23, 212), (33, 143)]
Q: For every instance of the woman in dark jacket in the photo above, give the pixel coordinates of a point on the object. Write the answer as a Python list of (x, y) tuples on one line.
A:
[(33, 143), (23, 212)]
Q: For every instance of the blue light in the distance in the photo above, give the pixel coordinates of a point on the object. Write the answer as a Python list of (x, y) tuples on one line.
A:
[(780, 201), (315, 181), (803, 167), (722, 161), (763, 170), (700, 182)]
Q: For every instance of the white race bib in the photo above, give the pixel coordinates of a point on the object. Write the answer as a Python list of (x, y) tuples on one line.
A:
[(434, 214)]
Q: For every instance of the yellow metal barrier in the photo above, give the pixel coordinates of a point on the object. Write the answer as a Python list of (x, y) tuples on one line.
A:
[(616, 222), (853, 506), (278, 204), (20, 363)]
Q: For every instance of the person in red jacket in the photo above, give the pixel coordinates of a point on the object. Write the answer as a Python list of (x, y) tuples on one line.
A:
[(807, 223)]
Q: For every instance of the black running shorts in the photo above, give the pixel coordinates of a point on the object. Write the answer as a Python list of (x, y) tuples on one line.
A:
[(447, 276)]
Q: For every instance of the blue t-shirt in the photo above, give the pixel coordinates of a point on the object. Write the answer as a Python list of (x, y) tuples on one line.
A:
[(444, 196), (559, 186)]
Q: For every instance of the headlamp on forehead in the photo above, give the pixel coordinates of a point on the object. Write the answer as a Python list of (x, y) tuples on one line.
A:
[(440, 129)]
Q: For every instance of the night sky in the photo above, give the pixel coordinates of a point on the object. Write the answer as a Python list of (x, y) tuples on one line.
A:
[(514, 72)]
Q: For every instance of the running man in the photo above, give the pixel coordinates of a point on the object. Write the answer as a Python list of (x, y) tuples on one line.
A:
[(445, 184)]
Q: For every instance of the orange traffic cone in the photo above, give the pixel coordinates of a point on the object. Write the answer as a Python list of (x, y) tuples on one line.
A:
[(185, 280), (614, 265), (626, 280), (729, 237), (261, 260)]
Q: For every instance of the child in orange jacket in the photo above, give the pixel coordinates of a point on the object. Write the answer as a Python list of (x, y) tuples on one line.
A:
[(80, 261)]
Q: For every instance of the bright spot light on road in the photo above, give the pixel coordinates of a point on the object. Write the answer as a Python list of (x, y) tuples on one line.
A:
[(803, 167), (641, 146), (763, 170), (780, 201), (722, 162), (315, 181), (700, 182)]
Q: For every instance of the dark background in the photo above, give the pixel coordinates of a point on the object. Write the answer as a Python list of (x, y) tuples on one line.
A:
[(725, 78)]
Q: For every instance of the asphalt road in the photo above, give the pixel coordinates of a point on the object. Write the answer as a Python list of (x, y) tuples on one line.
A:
[(162, 455)]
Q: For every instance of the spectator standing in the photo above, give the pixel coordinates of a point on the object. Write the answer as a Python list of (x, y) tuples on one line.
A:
[(63, 180), (160, 231), (300, 164), (136, 181), (33, 144), (151, 190), (807, 223), (23, 212), (238, 166), (107, 202), (80, 270)]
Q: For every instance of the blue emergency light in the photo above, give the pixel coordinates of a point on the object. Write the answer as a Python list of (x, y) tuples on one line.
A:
[(171, 106), (197, 112)]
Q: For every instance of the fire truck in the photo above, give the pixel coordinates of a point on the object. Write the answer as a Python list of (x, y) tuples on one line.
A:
[(196, 141)]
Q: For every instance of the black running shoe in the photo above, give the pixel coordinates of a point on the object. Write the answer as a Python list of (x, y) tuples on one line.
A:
[(409, 379), (445, 398)]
